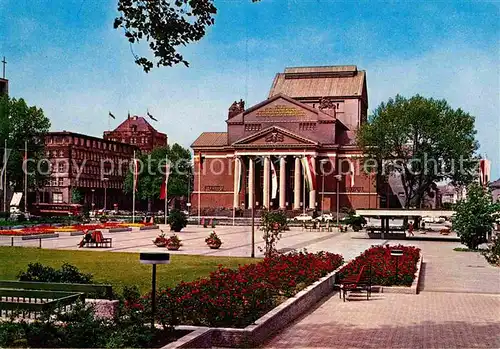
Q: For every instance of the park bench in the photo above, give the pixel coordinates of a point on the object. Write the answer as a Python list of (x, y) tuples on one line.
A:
[(97, 240), (359, 281)]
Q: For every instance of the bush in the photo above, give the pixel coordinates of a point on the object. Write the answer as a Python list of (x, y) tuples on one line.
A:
[(356, 222), (273, 223), (177, 220), (475, 216), (67, 274), (238, 297), (383, 265), (492, 254)]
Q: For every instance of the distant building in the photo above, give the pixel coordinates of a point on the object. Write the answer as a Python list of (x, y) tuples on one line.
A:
[(495, 190), (92, 166), (4, 86), (135, 130)]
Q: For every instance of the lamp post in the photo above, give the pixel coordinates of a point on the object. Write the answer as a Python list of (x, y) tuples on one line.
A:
[(322, 162), (338, 178), (397, 254), (105, 191), (92, 204), (154, 258)]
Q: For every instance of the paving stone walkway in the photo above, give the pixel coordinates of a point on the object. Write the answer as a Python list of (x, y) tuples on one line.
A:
[(428, 320)]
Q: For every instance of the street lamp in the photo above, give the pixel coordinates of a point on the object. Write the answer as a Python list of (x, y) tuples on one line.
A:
[(92, 204), (154, 258), (338, 178), (105, 191), (397, 254), (322, 162)]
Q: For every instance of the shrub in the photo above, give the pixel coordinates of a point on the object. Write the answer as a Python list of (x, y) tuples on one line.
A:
[(213, 239), (238, 297), (177, 220), (273, 223), (383, 265), (356, 222), (475, 216), (67, 274), (492, 254)]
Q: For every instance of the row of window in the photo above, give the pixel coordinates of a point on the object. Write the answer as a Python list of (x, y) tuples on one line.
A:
[(92, 183), (133, 140), (89, 143)]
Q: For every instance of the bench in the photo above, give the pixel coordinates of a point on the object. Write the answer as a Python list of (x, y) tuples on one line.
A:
[(97, 240), (359, 281)]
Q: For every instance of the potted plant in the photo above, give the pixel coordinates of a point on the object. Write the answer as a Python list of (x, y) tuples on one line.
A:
[(355, 221), (173, 243), (103, 218), (213, 241), (177, 220), (161, 240)]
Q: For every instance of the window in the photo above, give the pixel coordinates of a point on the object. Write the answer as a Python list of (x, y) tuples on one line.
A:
[(57, 198), (61, 168), (253, 127), (307, 126), (60, 182)]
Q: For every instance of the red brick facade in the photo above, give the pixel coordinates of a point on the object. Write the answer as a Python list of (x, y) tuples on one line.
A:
[(311, 113), (137, 131)]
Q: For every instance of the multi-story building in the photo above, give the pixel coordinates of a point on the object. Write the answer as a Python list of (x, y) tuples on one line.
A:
[(311, 113), (94, 167), (4, 86), (137, 131)]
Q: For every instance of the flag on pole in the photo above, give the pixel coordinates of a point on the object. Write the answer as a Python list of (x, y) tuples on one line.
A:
[(350, 174), (484, 171), (240, 175), (274, 182), (310, 176), (151, 116), (164, 184), (136, 173), (111, 115)]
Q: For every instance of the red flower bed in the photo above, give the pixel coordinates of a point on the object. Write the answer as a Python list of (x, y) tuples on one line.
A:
[(238, 297), (383, 265), (23, 232)]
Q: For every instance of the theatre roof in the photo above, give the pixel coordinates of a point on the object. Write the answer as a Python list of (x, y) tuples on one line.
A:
[(327, 81), (210, 139)]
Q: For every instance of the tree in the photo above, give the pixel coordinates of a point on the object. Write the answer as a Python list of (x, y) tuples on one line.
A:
[(76, 196), (152, 173), (19, 123), (164, 25), (474, 217), (273, 223), (423, 140)]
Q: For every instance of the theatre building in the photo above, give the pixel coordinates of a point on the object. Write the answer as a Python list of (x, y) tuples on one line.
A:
[(293, 151)]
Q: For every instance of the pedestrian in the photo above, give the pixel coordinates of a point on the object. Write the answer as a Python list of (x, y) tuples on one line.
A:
[(410, 229)]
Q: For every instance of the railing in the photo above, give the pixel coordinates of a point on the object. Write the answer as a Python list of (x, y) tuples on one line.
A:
[(32, 303), (106, 290)]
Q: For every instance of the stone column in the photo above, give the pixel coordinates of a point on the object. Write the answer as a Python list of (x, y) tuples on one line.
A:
[(312, 193), (251, 181), (237, 174), (282, 182), (296, 185), (267, 169)]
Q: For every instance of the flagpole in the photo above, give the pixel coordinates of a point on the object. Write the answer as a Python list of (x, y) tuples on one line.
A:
[(26, 176), (133, 191), (304, 185), (199, 189), (166, 183)]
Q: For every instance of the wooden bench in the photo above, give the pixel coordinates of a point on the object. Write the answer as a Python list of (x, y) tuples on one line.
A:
[(97, 240), (105, 243), (359, 281)]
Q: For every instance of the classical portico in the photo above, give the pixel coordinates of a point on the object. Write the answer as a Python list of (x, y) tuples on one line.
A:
[(284, 152)]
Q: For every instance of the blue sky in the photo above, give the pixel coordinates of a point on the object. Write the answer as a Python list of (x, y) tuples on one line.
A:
[(65, 57)]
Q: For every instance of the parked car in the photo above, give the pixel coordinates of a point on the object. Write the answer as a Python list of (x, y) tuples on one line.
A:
[(303, 217), (326, 217)]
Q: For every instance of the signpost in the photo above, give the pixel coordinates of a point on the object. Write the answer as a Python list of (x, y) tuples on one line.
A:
[(154, 258)]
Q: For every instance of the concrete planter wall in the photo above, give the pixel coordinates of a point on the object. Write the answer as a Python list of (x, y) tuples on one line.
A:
[(255, 334), (104, 308), (119, 230), (39, 236), (148, 227)]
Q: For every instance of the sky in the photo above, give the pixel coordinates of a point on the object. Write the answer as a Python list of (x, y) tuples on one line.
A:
[(65, 57)]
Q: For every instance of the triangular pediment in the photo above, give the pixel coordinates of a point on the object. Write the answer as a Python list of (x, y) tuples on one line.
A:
[(274, 136)]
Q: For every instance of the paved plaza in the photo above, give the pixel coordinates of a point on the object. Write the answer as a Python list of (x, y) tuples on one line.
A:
[(458, 305)]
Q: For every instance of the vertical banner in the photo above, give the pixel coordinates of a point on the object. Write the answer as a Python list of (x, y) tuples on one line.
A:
[(136, 173), (164, 184), (310, 176), (274, 181)]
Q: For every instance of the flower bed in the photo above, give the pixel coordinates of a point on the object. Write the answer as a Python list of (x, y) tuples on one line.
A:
[(238, 297), (383, 265)]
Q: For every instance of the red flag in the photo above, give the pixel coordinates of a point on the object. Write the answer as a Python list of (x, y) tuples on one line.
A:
[(310, 160), (164, 184)]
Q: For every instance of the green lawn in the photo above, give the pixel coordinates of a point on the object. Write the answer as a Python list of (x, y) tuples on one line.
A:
[(115, 268)]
